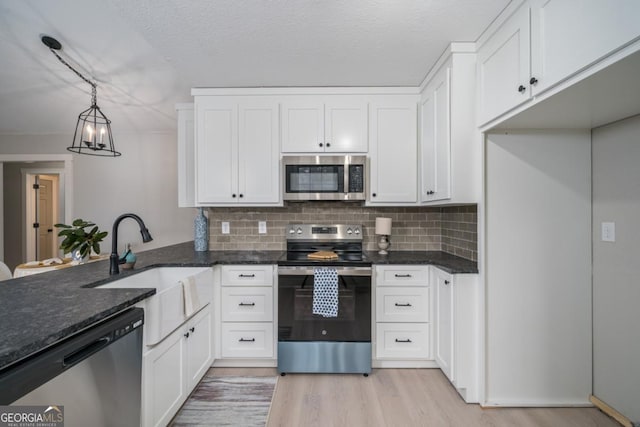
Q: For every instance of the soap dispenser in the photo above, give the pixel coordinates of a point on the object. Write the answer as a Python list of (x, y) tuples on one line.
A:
[(128, 258)]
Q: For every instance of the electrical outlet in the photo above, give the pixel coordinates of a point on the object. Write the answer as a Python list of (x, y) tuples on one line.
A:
[(608, 231), (262, 227), (225, 228)]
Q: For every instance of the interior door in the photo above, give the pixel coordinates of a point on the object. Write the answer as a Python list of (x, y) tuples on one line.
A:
[(45, 219)]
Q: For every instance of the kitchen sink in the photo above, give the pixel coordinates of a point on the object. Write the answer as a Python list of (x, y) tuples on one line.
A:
[(164, 311)]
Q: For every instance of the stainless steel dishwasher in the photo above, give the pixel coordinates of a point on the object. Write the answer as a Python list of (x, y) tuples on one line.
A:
[(95, 374)]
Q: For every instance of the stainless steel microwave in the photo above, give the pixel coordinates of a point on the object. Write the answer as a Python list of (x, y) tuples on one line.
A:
[(324, 177)]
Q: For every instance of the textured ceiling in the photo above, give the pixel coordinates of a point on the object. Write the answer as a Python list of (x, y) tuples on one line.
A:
[(147, 54)]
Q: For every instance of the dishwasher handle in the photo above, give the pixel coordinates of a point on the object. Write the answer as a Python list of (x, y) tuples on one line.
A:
[(86, 351)]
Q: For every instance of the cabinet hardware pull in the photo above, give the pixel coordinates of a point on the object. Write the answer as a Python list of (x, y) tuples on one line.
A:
[(403, 305), (186, 335), (251, 304), (533, 81), (446, 282), (521, 89), (407, 340), (233, 195), (320, 144), (192, 329), (328, 144), (245, 340), (403, 275), (374, 195), (241, 195), (430, 192), (247, 275)]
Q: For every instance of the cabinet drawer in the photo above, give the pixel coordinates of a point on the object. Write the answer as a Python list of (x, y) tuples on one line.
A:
[(403, 275), (250, 340), (247, 275), (402, 304), (247, 304), (402, 340)]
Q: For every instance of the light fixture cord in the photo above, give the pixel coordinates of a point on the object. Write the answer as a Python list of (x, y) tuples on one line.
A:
[(93, 84)]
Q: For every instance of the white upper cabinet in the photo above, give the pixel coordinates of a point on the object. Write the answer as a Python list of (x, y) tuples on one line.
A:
[(186, 156), (345, 126), (317, 125), (435, 154), (450, 151), (216, 150), (393, 151), (544, 43), (503, 67), (303, 126), (259, 153), (567, 36), (237, 151)]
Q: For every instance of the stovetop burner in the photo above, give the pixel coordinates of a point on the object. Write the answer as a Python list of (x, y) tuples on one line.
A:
[(345, 240)]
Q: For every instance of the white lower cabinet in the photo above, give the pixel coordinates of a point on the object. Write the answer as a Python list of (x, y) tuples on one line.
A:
[(173, 368), (402, 340), (247, 333), (252, 340), (402, 316), (457, 324)]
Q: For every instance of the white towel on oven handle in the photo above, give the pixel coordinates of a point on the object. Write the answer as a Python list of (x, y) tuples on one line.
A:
[(325, 291)]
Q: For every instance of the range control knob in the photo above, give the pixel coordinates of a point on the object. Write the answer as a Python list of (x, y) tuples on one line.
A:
[(349, 231), (357, 230), (292, 230), (299, 230)]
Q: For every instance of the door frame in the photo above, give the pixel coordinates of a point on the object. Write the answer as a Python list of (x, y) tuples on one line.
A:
[(29, 234), (67, 187)]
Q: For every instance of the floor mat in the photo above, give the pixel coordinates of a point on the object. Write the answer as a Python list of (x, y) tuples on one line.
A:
[(228, 401)]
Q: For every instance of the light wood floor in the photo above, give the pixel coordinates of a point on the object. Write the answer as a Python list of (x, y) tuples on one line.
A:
[(398, 397)]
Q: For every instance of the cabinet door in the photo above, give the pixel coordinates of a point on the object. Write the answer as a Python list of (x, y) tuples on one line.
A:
[(346, 127), (247, 304), (186, 156), (164, 382), (444, 322), (199, 347), (259, 153), (569, 35), (503, 68), (436, 139), (216, 150), (303, 127), (247, 340), (394, 147), (402, 341), (402, 304)]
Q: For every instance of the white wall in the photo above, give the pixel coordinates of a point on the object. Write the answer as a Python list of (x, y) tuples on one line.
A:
[(538, 268), (616, 288), (143, 181)]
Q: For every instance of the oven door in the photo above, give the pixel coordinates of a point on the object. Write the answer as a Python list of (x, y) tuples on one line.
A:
[(296, 322)]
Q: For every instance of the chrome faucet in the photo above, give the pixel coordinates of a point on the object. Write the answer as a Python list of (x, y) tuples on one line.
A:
[(114, 259)]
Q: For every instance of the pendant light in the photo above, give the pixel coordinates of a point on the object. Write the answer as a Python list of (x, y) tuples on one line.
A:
[(93, 129)]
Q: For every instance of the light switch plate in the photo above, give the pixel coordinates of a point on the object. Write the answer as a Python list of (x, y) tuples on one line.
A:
[(608, 231), (225, 228), (262, 227)]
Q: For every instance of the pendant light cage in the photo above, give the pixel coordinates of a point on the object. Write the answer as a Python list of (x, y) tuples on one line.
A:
[(93, 133), (93, 130)]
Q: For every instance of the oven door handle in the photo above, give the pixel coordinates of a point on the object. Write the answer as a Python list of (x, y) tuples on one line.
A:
[(308, 271)]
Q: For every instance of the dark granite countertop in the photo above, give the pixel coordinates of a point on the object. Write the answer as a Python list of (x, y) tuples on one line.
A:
[(40, 310), (447, 262)]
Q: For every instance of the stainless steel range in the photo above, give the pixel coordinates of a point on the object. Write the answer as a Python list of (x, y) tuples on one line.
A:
[(339, 342)]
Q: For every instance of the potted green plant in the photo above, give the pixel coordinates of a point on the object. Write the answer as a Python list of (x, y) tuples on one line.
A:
[(78, 241)]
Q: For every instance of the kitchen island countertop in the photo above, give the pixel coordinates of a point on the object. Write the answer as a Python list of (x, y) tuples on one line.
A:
[(40, 310)]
